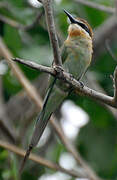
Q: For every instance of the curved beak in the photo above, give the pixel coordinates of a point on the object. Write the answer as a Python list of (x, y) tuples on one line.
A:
[(71, 18)]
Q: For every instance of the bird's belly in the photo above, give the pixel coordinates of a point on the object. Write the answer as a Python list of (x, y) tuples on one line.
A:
[(77, 63)]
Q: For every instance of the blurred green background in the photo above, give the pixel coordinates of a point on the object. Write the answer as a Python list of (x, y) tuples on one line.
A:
[(97, 141)]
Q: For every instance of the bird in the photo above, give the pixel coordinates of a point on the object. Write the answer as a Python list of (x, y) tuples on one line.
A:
[(76, 55)]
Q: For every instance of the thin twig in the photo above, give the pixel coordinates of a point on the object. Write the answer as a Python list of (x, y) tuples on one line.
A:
[(35, 22), (92, 82), (35, 66), (76, 84), (96, 6), (106, 30), (20, 26), (38, 159), (110, 50), (11, 22), (52, 31)]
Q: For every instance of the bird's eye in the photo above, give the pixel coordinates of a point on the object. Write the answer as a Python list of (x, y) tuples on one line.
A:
[(84, 27)]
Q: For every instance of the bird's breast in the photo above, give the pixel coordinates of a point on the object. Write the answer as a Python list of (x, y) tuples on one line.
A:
[(79, 48), (79, 55)]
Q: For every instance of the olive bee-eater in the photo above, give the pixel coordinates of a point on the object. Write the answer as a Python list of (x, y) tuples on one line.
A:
[(76, 55)]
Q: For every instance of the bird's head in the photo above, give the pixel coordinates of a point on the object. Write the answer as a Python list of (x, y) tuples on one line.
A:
[(78, 27)]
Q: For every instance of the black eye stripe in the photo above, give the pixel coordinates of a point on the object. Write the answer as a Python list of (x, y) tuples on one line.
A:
[(84, 27)]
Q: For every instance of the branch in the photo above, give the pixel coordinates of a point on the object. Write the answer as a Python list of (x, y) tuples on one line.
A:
[(52, 31), (96, 6), (38, 159), (5, 125), (7, 130), (35, 66), (73, 82)]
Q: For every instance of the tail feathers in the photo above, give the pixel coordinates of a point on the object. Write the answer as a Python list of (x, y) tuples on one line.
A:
[(41, 123), (39, 129), (25, 158), (43, 117)]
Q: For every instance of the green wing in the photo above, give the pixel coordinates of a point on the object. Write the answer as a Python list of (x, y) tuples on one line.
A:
[(64, 53)]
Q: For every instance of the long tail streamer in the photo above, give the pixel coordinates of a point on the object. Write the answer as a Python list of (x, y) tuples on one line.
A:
[(36, 134)]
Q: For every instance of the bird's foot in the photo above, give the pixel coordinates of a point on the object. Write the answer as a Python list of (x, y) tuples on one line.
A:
[(81, 84), (58, 69)]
